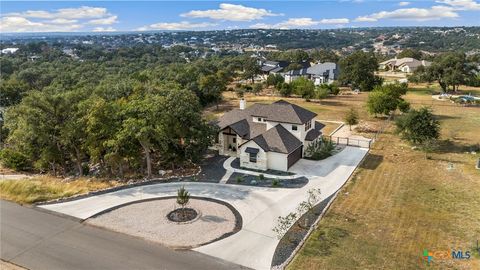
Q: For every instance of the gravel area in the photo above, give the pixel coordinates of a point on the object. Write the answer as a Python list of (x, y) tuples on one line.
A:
[(253, 180), (148, 220)]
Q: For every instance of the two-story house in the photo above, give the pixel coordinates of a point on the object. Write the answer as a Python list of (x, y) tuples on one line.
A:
[(267, 136)]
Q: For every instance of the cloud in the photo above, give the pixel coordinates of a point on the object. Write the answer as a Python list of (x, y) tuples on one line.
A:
[(414, 14), (104, 29), (403, 4), (20, 24), (299, 23), (83, 12), (104, 21), (461, 4), (183, 25), (59, 20), (231, 12)]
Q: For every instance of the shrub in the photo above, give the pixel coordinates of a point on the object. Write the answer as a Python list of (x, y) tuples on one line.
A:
[(418, 126), (14, 160), (318, 150), (261, 177), (240, 92), (239, 179), (321, 93), (275, 183)]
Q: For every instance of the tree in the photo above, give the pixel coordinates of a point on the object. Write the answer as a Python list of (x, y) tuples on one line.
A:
[(418, 126), (303, 87), (449, 69), (387, 98), (274, 79), (284, 89), (358, 71), (257, 88), (379, 102), (250, 69), (351, 118), (323, 56), (410, 53), (211, 88), (183, 197)]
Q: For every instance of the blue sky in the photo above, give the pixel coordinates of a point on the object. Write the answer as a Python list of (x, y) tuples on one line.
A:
[(85, 16)]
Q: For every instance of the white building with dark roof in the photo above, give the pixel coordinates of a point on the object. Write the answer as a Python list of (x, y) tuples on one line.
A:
[(267, 136)]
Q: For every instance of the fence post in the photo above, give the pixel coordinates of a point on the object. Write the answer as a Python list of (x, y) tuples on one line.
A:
[(348, 141)]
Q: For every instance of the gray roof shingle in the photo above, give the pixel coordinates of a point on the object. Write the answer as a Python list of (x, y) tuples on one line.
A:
[(314, 132), (278, 139)]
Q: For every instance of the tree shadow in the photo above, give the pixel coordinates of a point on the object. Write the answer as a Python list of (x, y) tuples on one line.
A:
[(371, 162), (449, 146), (214, 219)]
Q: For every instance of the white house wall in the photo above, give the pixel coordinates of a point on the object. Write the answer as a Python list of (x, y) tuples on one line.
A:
[(261, 163)]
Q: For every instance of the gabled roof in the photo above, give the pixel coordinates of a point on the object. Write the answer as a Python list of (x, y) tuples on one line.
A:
[(278, 139), (282, 111), (313, 133), (322, 68)]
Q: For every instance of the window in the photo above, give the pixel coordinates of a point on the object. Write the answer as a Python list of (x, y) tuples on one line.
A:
[(308, 125), (294, 127), (234, 140), (259, 119), (253, 157)]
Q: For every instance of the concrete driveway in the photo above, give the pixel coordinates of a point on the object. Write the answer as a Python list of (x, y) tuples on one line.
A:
[(255, 244)]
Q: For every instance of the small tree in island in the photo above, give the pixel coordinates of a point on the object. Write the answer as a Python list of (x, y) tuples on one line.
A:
[(351, 118), (183, 197)]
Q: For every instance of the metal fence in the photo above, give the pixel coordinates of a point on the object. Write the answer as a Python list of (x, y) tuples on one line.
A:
[(366, 143)]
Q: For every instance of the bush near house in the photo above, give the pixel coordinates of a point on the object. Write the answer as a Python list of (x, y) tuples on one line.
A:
[(320, 149)]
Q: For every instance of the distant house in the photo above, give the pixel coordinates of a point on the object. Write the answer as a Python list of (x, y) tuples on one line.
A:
[(272, 67), (9, 50), (267, 136), (320, 73), (407, 64), (323, 73)]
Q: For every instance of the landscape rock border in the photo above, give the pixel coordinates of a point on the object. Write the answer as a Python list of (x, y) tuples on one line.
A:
[(238, 216)]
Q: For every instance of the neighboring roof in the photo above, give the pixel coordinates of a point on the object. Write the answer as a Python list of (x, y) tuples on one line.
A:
[(276, 70), (322, 68), (252, 150), (267, 68), (296, 72), (278, 139), (315, 132)]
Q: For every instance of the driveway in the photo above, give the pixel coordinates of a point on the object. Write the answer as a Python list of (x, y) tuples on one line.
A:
[(39, 240), (255, 244)]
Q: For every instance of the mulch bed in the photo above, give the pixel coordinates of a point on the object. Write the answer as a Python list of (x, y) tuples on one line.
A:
[(182, 215), (297, 232), (236, 164), (252, 180)]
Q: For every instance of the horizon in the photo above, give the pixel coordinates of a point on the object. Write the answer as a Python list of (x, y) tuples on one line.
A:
[(147, 16)]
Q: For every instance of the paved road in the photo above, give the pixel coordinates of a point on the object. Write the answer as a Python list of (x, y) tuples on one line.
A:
[(40, 240), (254, 245)]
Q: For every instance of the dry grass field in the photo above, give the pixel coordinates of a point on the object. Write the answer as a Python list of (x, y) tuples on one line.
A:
[(399, 203), (44, 188)]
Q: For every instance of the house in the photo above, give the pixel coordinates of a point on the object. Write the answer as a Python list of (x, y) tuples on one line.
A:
[(320, 73), (407, 64), (323, 73), (267, 136), (9, 50), (272, 67)]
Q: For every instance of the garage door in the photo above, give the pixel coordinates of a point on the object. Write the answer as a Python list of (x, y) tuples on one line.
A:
[(294, 156)]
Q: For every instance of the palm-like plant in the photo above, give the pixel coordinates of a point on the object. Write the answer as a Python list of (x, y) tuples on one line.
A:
[(183, 197)]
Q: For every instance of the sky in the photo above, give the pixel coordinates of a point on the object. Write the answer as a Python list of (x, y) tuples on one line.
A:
[(109, 16)]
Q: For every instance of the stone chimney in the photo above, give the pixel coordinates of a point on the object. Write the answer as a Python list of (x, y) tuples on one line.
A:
[(243, 104)]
